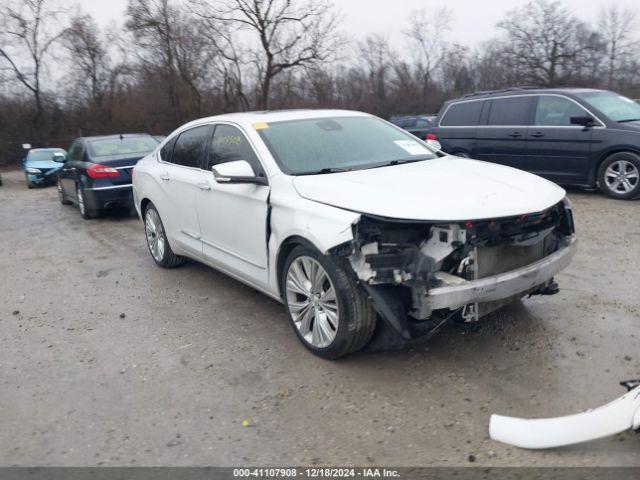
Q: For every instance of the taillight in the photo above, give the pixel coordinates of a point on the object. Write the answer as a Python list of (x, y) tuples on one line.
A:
[(102, 171), (430, 136)]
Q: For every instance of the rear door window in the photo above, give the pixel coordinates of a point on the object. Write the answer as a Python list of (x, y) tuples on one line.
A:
[(510, 112), (464, 114), (553, 111), (191, 146), (167, 150)]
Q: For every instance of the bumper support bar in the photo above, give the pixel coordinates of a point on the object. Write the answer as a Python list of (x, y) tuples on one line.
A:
[(504, 285)]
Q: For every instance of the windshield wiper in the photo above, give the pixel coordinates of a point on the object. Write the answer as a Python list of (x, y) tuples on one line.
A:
[(403, 160), (322, 171), (629, 120)]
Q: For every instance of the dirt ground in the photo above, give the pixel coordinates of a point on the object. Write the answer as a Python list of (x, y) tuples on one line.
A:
[(106, 359)]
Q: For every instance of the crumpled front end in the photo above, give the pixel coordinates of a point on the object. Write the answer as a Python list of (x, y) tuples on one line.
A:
[(419, 273)]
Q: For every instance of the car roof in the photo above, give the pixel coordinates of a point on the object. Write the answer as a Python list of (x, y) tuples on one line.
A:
[(117, 136), (48, 149), (522, 91), (272, 116)]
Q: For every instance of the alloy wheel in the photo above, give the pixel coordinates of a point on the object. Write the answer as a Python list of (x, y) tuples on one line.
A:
[(311, 299), (621, 176), (155, 234)]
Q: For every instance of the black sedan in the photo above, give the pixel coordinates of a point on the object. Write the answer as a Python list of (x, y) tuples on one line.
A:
[(96, 174), (418, 125)]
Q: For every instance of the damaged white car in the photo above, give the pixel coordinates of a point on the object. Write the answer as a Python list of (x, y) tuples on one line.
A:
[(368, 236)]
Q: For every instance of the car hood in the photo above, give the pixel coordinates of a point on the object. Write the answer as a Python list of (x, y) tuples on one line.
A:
[(43, 164), (635, 126), (443, 189)]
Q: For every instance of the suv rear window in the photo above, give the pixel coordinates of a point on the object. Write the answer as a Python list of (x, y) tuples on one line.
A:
[(510, 112), (464, 114)]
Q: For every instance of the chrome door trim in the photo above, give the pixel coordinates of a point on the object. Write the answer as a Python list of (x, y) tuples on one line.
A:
[(233, 254), (191, 235)]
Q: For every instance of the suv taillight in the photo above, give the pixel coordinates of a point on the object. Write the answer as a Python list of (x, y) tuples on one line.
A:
[(430, 136), (102, 171)]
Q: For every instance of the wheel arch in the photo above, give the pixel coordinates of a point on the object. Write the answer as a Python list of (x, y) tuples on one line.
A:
[(457, 151), (143, 205), (286, 247), (593, 174)]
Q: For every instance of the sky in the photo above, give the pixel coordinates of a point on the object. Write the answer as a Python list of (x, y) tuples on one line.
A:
[(472, 21)]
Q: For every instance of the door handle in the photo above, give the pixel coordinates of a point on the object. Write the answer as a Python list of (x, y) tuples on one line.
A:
[(515, 135), (204, 186), (537, 135), (165, 177)]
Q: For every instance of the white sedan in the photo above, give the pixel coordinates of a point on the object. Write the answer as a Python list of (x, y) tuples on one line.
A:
[(369, 236)]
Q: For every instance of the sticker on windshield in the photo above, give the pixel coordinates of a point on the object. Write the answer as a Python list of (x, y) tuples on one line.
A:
[(411, 147)]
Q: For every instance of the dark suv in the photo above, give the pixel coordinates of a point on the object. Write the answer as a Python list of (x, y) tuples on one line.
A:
[(570, 136)]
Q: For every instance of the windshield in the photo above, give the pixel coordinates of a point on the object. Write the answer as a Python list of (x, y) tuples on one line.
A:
[(43, 155), (123, 146), (327, 145), (614, 106)]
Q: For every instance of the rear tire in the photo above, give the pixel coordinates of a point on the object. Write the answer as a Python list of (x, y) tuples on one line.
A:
[(619, 176), (157, 240), (318, 293), (87, 213)]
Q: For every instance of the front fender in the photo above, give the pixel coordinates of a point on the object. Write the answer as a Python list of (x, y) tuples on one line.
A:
[(321, 225)]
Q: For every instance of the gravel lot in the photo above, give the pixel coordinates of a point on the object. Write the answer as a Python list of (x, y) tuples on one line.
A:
[(106, 359)]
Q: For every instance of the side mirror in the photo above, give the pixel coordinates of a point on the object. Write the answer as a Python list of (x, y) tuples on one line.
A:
[(585, 121), (238, 171), (59, 157)]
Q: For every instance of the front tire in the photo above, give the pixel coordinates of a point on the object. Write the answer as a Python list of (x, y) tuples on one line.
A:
[(619, 176), (157, 241), (328, 311)]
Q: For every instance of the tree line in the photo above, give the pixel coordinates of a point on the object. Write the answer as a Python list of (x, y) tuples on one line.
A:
[(172, 61)]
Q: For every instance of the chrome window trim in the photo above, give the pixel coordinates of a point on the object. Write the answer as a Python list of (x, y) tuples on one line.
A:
[(213, 124), (168, 139), (601, 123)]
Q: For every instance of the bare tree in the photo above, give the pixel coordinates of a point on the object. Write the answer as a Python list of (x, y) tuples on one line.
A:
[(287, 34), (426, 40), (173, 43), (29, 29), (88, 56), (617, 27), (542, 42), (375, 56)]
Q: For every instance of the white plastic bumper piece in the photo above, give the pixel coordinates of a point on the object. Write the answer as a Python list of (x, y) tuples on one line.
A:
[(616, 417)]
